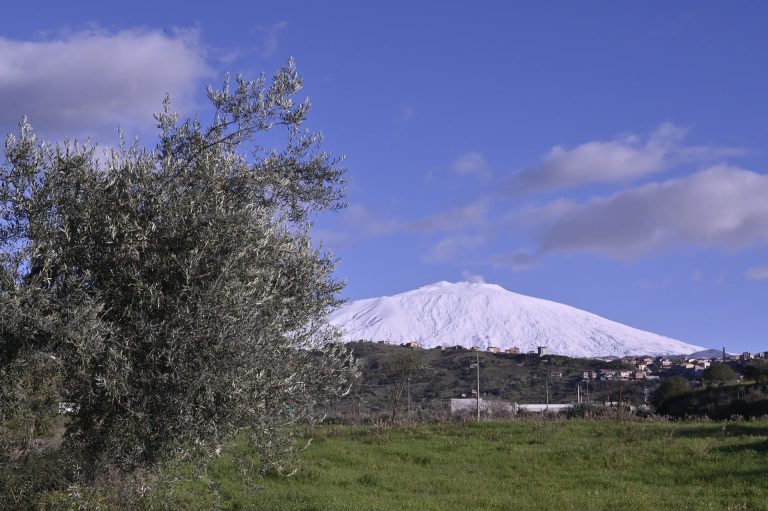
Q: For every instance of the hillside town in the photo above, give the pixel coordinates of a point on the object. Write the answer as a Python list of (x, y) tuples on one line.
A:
[(643, 367)]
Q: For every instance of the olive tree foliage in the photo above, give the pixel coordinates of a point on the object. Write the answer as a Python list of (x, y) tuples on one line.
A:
[(399, 370), (178, 287), (719, 374), (757, 370), (669, 388)]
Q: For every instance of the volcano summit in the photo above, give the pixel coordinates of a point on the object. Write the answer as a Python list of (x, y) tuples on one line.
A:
[(484, 315)]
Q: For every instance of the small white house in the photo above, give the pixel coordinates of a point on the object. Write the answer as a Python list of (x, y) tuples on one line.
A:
[(543, 408)]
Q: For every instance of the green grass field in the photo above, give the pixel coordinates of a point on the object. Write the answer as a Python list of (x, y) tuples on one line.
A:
[(575, 464)]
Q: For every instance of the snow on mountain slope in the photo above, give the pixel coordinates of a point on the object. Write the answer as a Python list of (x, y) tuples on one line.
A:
[(479, 314)]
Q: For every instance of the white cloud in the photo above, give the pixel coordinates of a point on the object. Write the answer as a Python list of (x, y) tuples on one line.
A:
[(329, 236), (517, 260), (407, 112), (757, 273), (722, 207), (620, 160), (467, 276), (451, 247), (271, 41), (700, 278), (89, 82), (658, 283), (471, 164), (361, 220), (473, 214)]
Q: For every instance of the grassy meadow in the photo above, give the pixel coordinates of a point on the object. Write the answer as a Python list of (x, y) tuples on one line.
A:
[(527, 464)]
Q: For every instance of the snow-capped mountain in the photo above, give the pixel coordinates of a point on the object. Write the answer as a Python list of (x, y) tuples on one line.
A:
[(479, 314)]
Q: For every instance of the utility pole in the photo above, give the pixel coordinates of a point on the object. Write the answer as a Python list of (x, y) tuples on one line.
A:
[(478, 386), (408, 383), (618, 408), (477, 394), (578, 394)]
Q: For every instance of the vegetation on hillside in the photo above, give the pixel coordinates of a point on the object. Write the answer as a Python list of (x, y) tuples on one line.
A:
[(719, 402), (437, 376)]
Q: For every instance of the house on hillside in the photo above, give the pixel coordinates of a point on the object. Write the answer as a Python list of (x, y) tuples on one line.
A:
[(468, 406), (607, 375), (542, 350), (412, 344), (494, 349), (543, 408), (513, 351)]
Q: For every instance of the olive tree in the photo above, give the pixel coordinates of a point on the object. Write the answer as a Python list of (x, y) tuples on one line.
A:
[(669, 388), (719, 374), (178, 286), (757, 370), (398, 371)]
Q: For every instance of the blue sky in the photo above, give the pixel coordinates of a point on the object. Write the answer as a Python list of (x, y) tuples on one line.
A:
[(607, 155)]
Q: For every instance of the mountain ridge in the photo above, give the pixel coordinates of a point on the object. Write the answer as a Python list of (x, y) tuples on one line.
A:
[(484, 315)]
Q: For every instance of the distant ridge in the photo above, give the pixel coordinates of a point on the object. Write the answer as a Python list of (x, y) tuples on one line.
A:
[(484, 315), (708, 354)]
